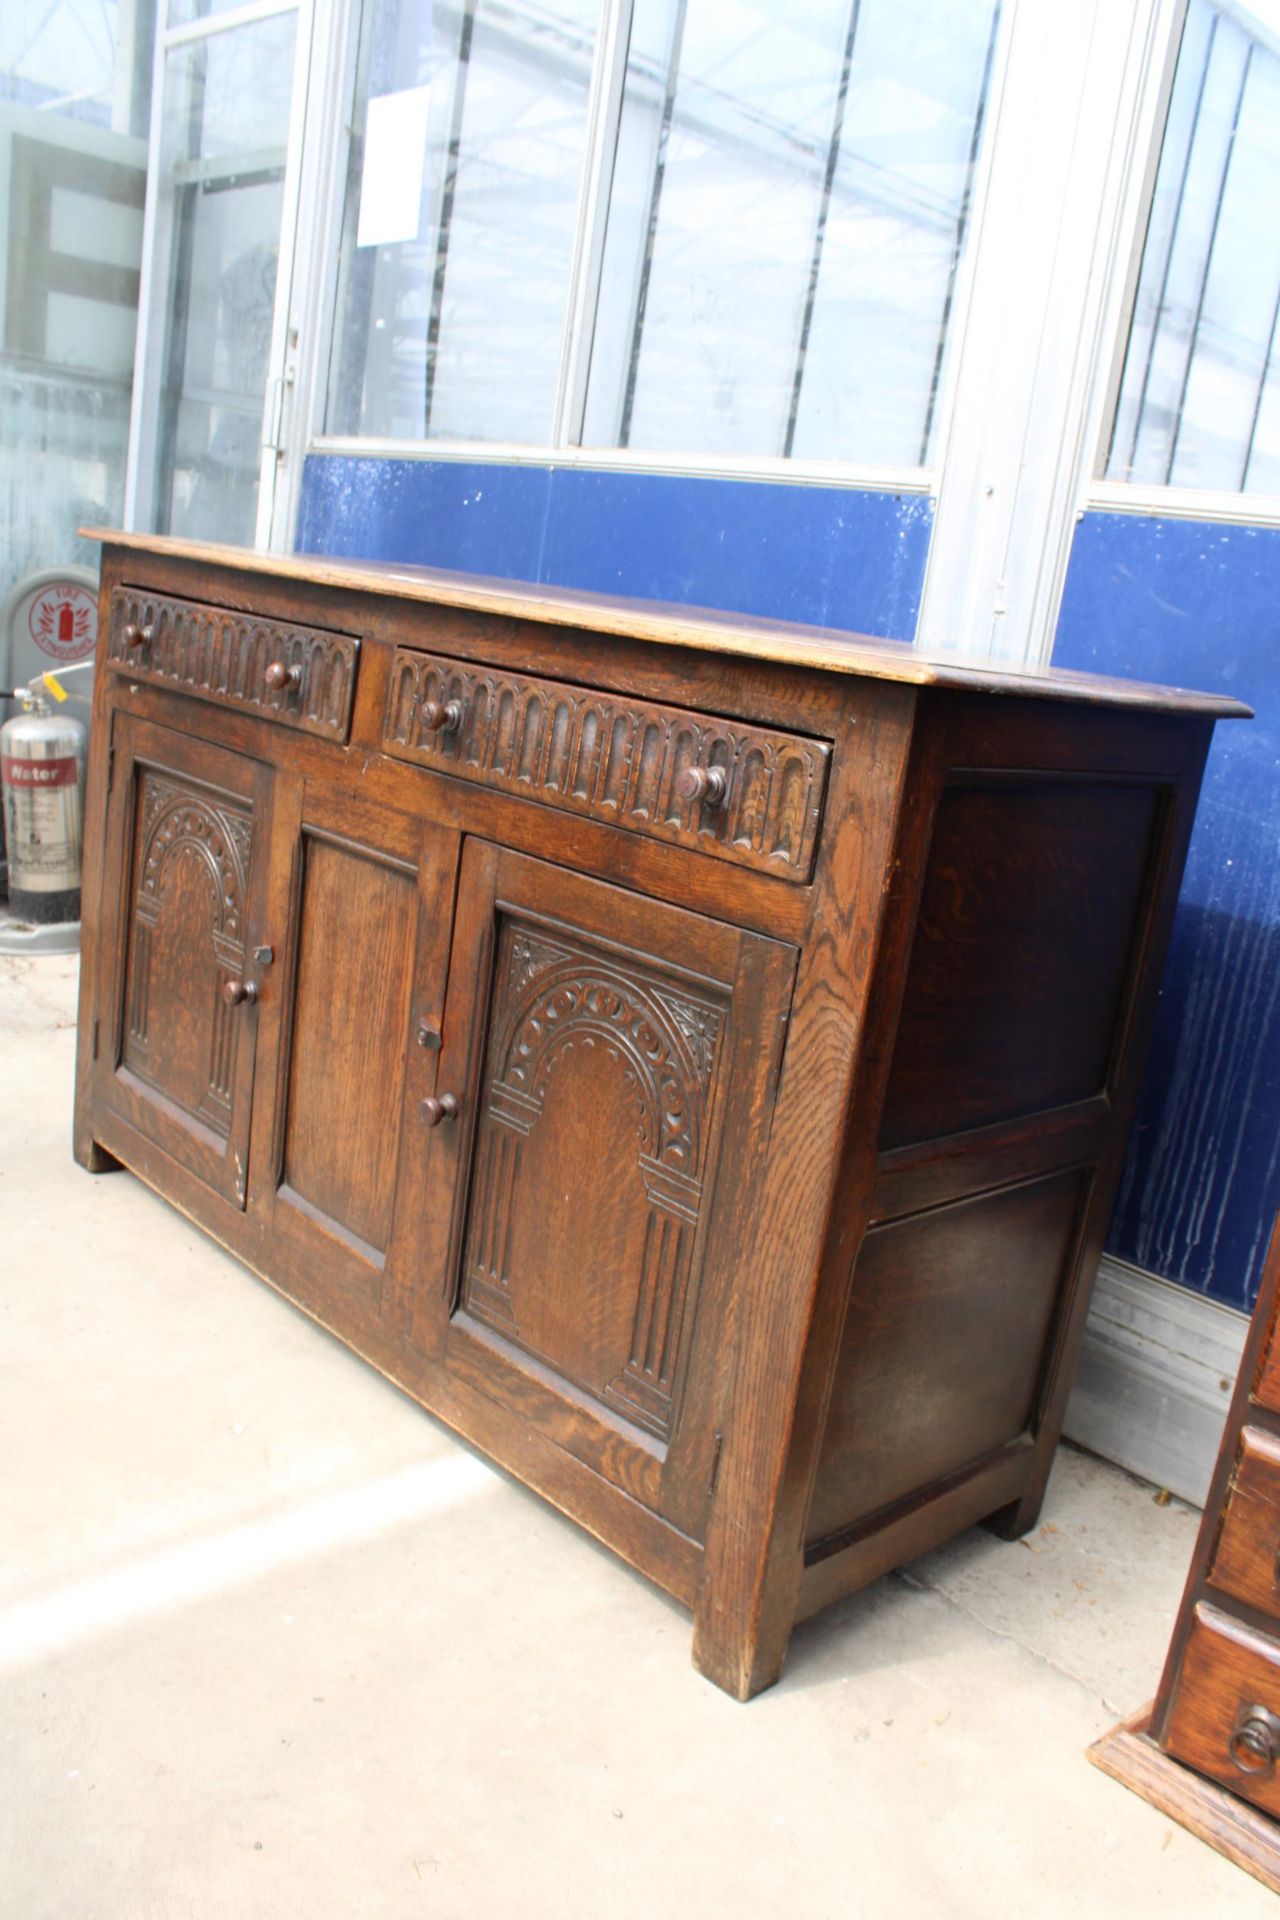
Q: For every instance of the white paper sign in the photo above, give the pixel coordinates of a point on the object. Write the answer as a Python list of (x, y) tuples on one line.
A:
[(395, 153)]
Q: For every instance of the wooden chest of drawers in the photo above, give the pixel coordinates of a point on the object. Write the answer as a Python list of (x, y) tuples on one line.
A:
[(1208, 1750), (691, 1056)]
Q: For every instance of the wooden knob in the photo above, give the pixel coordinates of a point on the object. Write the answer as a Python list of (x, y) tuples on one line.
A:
[(136, 636), (708, 784), (444, 1107), (1255, 1740), (237, 992), (441, 716), (279, 676)]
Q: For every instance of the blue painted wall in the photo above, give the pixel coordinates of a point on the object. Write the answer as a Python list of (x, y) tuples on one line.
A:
[(1199, 604), (831, 555)]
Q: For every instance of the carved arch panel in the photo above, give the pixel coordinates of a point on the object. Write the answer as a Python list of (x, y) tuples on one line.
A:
[(188, 821), (594, 1147), (191, 870)]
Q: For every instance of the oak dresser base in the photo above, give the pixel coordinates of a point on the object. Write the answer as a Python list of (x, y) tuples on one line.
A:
[(691, 1056)]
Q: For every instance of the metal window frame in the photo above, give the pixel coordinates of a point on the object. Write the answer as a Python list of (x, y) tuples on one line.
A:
[(210, 25), (139, 504), (1079, 116), (321, 172), (1182, 503), (604, 117), (775, 468)]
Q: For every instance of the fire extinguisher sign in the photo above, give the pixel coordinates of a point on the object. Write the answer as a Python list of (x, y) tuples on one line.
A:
[(62, 772), (62, 619)]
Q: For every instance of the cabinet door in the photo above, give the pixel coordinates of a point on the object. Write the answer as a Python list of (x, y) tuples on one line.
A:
[(186, 834), (602, 1103), (363, 897)]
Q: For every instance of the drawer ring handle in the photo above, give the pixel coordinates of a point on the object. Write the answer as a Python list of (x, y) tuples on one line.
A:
[(440, 716), (279, 676), (1255, 1740), (710, 785)]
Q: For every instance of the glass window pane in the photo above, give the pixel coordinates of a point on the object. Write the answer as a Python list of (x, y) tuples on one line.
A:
[(789, 203), (82, 59), (75, 81), (1197, 404), (899, 207), (457, 331), (221, 171)]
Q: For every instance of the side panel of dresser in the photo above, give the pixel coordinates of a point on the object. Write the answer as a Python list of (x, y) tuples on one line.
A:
[(1218, 1706), (1011, 1017), (784, 1311)]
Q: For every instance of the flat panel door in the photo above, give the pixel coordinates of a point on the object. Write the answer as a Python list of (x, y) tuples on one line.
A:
[(611, 1061), (362, 966), (187, 828)]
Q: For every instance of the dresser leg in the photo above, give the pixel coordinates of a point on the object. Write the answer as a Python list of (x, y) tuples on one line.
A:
[(94, 1158), (741, 1665), (1019, 1517)]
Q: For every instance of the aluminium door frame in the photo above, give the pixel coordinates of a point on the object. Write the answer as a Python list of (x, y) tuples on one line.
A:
[(144, 418)]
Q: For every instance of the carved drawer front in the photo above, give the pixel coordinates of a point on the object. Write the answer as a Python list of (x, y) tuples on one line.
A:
[(1246, 1558), (748, 794), (299, 676), (1224, 1718)]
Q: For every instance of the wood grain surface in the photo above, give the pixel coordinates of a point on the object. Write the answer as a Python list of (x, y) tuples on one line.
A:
[(692, 627)]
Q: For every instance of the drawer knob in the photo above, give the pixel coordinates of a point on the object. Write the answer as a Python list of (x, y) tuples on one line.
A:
[(1255, 1740), (443, 1107), (708, 784), (238, 993), (440, 716), (136, 636), (279, 676)]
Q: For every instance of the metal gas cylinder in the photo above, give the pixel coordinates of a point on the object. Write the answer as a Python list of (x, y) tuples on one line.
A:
[(42, 769)]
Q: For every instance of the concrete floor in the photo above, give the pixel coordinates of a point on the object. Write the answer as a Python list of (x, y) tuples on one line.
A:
[(272, 1643)]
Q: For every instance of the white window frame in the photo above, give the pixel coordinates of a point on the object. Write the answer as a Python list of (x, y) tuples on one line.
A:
[(1081, 114), (276, 501)]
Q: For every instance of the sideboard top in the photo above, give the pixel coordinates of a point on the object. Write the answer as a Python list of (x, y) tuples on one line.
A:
[(825, 648)]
